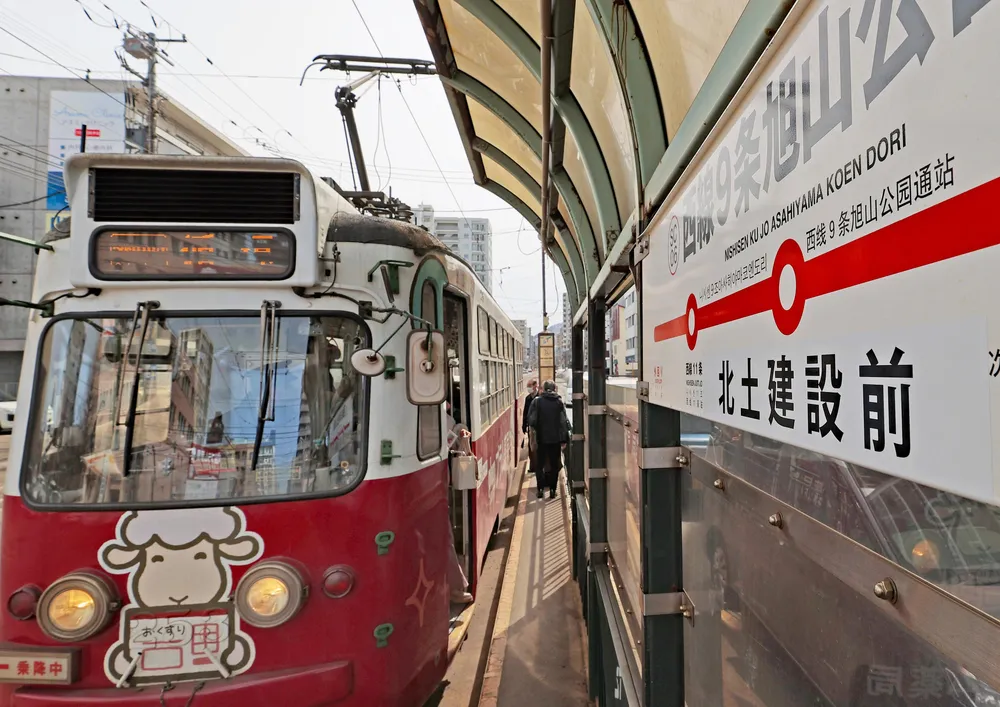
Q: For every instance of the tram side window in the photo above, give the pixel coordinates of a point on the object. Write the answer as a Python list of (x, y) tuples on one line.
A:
[(495, 390), (484, 331), (484, 393)]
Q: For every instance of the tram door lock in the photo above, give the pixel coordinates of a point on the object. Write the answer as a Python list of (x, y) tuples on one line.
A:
[(426, 379)]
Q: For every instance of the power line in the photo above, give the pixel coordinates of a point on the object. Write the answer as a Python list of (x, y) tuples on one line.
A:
[(30, 152), (409, 110), (219, 69), (120, 21), (519, 240), (31, 201), (42, 37), (47, 56)]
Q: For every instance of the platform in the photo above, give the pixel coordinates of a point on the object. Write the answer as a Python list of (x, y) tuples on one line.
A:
[(538, 651)]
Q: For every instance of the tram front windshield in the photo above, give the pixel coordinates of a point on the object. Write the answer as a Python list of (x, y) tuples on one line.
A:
[(202, 406)]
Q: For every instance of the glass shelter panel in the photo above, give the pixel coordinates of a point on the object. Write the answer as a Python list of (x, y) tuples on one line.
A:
[(624, 497), (497, 133), (595, 84), (485, 57), (683, 39), (786, 616)]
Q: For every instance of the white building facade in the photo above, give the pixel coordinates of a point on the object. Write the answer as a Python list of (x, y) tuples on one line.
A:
[(470, 238), (630, 332)]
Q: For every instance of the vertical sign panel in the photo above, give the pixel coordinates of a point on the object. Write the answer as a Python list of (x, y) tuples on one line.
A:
[(826, 271), (546, 357)]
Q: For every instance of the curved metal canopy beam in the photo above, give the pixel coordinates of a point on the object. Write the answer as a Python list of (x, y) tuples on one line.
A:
[(572, 284), (529, 183), (635, 76), (564, 186), (568, 110), (496, 104), (600, 180)]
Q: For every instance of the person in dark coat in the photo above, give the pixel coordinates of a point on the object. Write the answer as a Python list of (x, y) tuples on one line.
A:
[(525, 428), (547, 417)]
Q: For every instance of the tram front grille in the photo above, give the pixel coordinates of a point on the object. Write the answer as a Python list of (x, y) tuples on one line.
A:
[(193, 196)]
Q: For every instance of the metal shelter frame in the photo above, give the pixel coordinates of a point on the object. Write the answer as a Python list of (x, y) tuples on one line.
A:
[(607, 193), (598, 250)]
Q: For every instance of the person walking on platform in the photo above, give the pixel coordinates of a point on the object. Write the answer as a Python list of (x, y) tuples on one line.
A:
[(525, 428), (547, 417)]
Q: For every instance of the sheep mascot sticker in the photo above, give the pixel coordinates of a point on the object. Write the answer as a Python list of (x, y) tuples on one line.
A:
[(180, 623)]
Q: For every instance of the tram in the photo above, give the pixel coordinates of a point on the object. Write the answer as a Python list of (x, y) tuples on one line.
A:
[(233, 485)]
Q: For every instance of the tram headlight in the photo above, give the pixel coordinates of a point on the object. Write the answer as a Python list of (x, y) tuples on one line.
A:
[(76, 606), (270, 593)]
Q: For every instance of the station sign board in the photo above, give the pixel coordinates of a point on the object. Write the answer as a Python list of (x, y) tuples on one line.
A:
[(546, 356), (825, 272)]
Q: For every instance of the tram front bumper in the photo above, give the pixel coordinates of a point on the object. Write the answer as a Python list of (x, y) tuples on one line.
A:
[(317, 686)]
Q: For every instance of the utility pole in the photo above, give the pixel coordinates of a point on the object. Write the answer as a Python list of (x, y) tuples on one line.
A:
[(144, 45), (151, 96)]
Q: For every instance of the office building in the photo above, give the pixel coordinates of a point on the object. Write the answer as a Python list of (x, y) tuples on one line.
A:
[(469, 238), (41, 124), (630, 333)]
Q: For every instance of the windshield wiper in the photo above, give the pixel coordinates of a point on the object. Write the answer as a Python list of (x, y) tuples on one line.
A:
[(139, 319), (268, 373)]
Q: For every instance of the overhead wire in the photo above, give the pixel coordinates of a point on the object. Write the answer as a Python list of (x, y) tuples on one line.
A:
[(30, 151), (32, 201), (30, 45), (119, 20), (409, 110), (41, 37), (519, 240), (378, 132), (385, 138), (218, 68)]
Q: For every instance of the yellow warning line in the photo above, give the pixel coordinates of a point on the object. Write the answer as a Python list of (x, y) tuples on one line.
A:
[(498, 643)]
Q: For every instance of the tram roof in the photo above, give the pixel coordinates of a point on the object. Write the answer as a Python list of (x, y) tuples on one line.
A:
[(636, 86)]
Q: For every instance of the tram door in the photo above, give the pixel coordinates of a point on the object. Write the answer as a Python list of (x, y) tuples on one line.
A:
[(459, 502)]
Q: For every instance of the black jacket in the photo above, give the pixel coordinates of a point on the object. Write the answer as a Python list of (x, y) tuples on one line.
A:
[(527, 408), (547, 415)]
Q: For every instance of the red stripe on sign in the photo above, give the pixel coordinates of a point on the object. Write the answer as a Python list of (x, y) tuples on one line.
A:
[(4, 666), (925, 238)]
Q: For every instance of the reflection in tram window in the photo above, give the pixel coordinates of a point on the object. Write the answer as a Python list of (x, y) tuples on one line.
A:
[(948, 540), (200, 389)]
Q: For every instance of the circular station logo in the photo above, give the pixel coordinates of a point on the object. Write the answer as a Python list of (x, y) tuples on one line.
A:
[(674, 245)]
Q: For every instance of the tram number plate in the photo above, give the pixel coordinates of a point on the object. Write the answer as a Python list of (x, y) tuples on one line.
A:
[(38, 664)]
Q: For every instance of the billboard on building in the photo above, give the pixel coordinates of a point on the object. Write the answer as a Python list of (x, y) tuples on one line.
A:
[(69, 112), (825, 272)]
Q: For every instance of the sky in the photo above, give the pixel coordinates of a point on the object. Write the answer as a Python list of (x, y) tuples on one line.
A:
[(240, 70)]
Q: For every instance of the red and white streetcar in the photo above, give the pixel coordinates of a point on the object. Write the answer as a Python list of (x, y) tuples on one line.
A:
[(232, 486)]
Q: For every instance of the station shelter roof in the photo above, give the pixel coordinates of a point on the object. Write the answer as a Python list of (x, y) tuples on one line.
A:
[(635, 87)]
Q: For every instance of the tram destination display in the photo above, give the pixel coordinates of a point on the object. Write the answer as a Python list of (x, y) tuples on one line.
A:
[(825, 271), (140, 254)]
